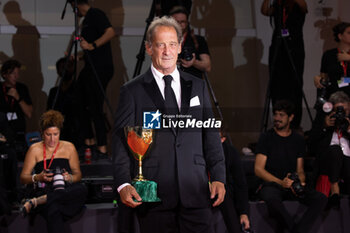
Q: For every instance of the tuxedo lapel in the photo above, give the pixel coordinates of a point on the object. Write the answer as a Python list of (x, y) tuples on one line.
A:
[(186, 89), (153, 91)]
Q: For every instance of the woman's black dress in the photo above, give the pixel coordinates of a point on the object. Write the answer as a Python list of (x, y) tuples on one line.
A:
[(61, 204)]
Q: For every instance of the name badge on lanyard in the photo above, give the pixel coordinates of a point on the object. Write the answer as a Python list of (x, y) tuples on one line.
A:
[(284, 32), (11, 116)]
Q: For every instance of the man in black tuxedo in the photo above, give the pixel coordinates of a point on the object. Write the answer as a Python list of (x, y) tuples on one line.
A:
[(180, 159)]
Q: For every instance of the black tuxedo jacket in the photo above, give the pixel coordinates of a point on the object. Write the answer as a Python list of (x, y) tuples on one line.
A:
[(179, 161)]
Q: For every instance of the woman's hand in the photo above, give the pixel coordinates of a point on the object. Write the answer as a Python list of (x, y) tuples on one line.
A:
[(67, 177), (44, 176), (317, 81)]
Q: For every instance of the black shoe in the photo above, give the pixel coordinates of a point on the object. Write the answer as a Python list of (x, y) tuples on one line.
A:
[(334, 201)]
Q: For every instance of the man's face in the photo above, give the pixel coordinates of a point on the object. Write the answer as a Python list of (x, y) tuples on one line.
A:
[(344, 105), (281, 120), (182, 20), (164, 49), (11, 78)]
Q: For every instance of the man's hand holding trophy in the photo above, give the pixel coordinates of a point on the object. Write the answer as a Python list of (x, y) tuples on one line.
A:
[(139, 141)]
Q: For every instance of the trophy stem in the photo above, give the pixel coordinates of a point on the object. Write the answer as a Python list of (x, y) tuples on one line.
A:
[(140, 176)]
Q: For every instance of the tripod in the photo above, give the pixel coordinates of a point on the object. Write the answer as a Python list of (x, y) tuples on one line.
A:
[(216, 103), (74, 44), (141, 55), (279, 40)]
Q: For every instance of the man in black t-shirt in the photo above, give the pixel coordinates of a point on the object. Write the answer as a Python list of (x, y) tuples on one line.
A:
[(194, 57), (96, 35), (280, 153)]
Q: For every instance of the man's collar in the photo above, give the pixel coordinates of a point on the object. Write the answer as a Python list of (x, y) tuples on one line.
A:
[(159, 76)]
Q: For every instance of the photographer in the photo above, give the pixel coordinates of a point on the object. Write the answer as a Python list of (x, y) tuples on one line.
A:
[(279, 163), (287, 53), (329, 140), (335, 70), (194, 57), (52, 167), (8, 166), (16, 103), (96, 35)]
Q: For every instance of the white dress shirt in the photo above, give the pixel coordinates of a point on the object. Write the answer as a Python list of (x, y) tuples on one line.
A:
[(175, 84)]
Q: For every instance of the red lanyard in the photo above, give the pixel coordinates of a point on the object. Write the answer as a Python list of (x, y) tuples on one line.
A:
[(340, 134), (6, 97), (285, 14), (53, 155), (344, 65), (285, 17)]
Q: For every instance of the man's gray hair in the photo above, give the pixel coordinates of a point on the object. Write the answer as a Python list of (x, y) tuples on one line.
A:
[(165, 21), (339, 97)]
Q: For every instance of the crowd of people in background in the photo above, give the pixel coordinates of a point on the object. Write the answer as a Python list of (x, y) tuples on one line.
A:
[(75, 121)]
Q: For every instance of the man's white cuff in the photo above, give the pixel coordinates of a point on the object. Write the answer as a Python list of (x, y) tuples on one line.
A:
[(122, 186)]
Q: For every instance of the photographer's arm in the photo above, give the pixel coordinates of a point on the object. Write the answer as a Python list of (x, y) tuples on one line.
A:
[(300, 170), (259, 169), (26, 108), (317, 80), (302, 4), (203, 64), (28, 165), (74, 166), (266, 9), (107, 36)]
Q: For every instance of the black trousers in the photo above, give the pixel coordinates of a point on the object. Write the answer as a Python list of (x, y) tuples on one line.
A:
[(92, 99), (8, 171), (229, 213), (336, 165), (153, 217), (273, 194), (62, 205)]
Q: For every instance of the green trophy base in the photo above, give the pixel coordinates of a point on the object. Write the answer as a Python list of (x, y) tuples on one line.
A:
[(147, 190)]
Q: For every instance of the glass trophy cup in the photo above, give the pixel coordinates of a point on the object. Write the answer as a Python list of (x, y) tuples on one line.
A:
[(139, 141)]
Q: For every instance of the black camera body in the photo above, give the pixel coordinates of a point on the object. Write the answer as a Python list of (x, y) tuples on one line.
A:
[(187, 53), (341, 122), (322, 94), (298, 188)]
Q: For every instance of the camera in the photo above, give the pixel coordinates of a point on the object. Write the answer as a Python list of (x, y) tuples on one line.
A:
[(187, 53), (341, 122), (321, 102), (298, 188), (58, 182)]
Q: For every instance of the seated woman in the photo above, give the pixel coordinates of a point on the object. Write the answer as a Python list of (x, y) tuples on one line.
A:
[(55, 199)]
